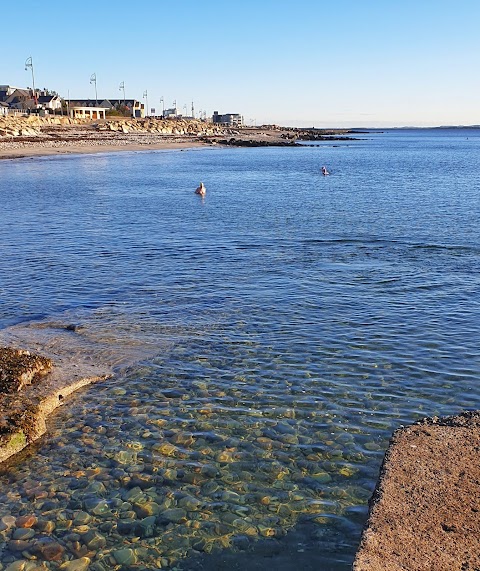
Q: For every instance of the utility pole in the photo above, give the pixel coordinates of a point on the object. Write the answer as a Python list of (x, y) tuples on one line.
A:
[(93, 79), (29, 64)]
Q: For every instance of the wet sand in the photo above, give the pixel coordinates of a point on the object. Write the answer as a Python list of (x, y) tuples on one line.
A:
[(36, 149)]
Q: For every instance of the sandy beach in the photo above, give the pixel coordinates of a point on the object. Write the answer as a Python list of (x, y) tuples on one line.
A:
[(36, 149), (34, 136)]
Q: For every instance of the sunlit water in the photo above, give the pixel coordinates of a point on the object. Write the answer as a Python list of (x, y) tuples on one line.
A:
[(292, 321)]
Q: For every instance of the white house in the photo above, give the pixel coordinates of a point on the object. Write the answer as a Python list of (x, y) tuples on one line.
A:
[(79, 112), (52, 102)]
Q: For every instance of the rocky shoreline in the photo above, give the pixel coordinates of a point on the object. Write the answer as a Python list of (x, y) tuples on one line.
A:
[(31, 387), (27, 136)]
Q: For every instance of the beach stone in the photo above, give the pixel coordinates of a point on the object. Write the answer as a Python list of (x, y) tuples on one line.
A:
[(126, 526), (49, 549), (183, 439), (174, 515), (322, 477), (23, 533), (94, 540), (81, 564), (142, 481), (125, 556), (97, 506), (96, 488), (146, 528), (26, 521), (8, 520), (147, 509), (190, 503), (135, 495), (16, 566), (81, 518), (18, 545), (45, 525)]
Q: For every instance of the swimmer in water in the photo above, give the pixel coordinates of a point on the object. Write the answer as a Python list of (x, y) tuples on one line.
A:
[(201, 190), (324, 171)]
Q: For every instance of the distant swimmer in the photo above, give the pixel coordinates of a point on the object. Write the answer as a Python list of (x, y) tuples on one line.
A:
[(324, 171), (201, 190)]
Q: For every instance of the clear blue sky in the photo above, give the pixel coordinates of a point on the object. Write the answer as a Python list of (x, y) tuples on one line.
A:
[(292, 62)]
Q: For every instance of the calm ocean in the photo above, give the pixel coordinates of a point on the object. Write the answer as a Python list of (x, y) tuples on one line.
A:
[(285, 326)]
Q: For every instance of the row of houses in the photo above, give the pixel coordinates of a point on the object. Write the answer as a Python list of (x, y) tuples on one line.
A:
[(19, 100)]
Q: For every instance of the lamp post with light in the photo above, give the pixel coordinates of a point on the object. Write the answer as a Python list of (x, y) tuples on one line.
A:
[(29, 64), (93, 79), (145, 95), (122, 88)]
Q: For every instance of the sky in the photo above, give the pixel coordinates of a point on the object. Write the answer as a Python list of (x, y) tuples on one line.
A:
[(321, 63)]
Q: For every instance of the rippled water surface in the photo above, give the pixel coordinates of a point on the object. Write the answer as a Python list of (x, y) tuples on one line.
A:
[(286, 325)]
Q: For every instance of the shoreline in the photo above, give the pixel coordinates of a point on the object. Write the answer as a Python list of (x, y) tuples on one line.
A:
[(38, 149), (29, 137)]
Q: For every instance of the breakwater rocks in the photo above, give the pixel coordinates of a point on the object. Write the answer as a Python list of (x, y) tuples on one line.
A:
[(55, 127), (29, 392), (324, 135), (425, 512), (240, 142)]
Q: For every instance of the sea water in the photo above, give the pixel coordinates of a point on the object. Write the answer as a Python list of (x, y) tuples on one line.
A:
[(286, 325)]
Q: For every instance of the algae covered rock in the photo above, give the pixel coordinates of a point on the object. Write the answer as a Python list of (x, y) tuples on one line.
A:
[(19, 368)]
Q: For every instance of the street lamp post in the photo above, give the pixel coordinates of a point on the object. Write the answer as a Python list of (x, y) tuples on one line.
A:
[(145, 95), (29, 64), (122, 87), (93, 79)]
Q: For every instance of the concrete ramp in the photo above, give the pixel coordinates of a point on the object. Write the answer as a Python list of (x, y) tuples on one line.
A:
[(425, 511)]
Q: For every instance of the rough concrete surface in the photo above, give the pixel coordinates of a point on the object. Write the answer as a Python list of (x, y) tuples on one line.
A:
[(425, 511)]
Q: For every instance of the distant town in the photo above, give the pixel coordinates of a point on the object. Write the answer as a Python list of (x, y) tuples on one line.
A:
[(26, 101)]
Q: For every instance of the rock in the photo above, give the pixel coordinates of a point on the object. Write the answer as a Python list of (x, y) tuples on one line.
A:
[(26, 521), (147, 509), (44, 525), (126, 526), (49, 549), (125, 556), (146, 528), (174, 515), (94, 540), (19, 368), (16, 566), (81, 564), (23, 533), (18, 545), (81, 518)]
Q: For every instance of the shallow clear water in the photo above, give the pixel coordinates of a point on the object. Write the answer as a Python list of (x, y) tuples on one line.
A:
[(293, 321)]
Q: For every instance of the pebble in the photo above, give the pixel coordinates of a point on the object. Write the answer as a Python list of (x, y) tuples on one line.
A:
[(125, 556), (26, 521), (80, 564)]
